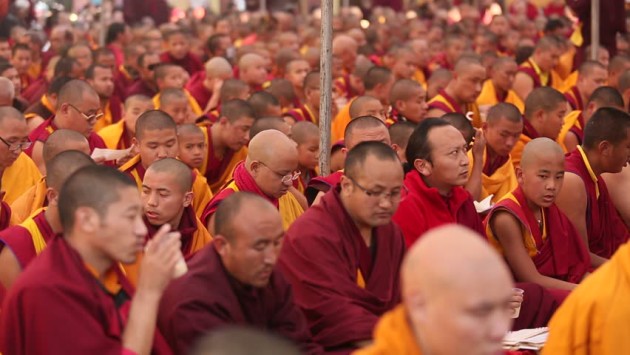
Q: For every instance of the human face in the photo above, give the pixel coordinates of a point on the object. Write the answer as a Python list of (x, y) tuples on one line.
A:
[(503, 76), (553, 121), (223, 27), (157, 144), (12, 132), (178, 46), (163, 200), (103, 82), (296, 72), (106, 60), (468, 84), (416, 107), (455, 50), (589, 83), (179, 110), (405, 65), (192, 149), (541, 180), (133, 110), (448, 167), (236, 134), (548, 59), (256, 74), (313, 97), (145, 72), (5, 50), (373, 108), (81, 116), (121, 232), (83, 56), (153, 41), (172, 80), (13, 75), (499, 26), (251, 254), (276, 176), (618, 155), (502, 135), (22, 60), (372, 196), (308, 153)]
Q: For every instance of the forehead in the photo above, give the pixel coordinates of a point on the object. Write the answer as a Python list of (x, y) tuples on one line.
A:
[(545, 161), (158, 134), (13, 126), (474, 71), (99, 71), (371, 105), (382, 172), (255, 223), (445, 137), (505, 124), (377, 134), (190, 137), (175, 103), (159, 180)]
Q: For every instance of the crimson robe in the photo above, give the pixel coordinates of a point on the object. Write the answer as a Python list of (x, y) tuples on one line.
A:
[(20, 240), (5, 216), (141, 87), (606, 230), (424, 208), (191, 63), (44, 130), (528, 68), (208, 298), (342, 285), (197, 90), (35, 90), (42, 108), (321, 184), (578, 129), (302, 113), (574, 97), (123, 80), (57, 306)]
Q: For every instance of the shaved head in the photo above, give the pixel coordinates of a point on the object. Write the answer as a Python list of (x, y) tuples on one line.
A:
[(75, 91), (154, 120), (504, 110), (465, 63), (365, 106), (218, 67), (270, 144), (249, 60), (189, 129), (366, 128), (64, 164), (266, 123), (540, 147), (167, 96), (63, 140), (7, 92), (303, 131), (403, 89), (543, 98), (9, 113), (180, 172), (272, 160), (343, 43), (229, 212)]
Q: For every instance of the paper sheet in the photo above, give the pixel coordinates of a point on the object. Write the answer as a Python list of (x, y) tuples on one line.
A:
[(110, 154), (484, 205)]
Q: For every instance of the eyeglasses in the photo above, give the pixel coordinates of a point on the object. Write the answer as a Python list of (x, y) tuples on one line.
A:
[(286, 179), (16, 146), (90, 118), (395, 195)]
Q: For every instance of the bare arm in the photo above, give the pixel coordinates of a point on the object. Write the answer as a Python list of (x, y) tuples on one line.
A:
[(38, 156), (9, 268), (474, 180), (299, 197), (523, 85), (570, 141), (618, 185)]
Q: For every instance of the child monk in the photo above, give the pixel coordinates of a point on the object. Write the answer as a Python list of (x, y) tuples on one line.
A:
[(192, 145), (176, 104), (306, 135)]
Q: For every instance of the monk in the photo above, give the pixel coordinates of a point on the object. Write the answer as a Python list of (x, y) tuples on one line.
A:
[(345, 48), (399, 133), (175, 103), (465, 127), (192, 145), (252, 71), (265, 104), (306, 135), (265, 123), (206, 90), (501, 131), (438, 81), (170, 76), (617, 184), (120, 134), (585, 198), (401, 60), (434, 317), (591, 75), (75, 288), (146, 84), (35, 198), (156, 138), (46, 106), (538, 241), (309, 110), (227, 142), (454, 47), (498, 87), (409, 102), (78, 109), (18, 172), (618, 64), (177, 51), (351, 85), (461, 92), (21, 59), (357, 247), (367, 106), (7, 92), (538, 71), (295, 72), (20, 244), (269, 171), (226, 284), (101, 78), (545, 109)]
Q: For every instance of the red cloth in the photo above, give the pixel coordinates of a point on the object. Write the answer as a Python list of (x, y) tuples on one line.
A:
[(135, 11), (574, 98), (322, 256), (57, 307), (424, 208), (20, 241), (578, 131), (191, 63), (197, 90), (191, 307), (44, 130), (119, 55), (35, 90), (39, 109), (539, 305), (140, 87), (606, 231), (122, 82), (528, 68), (554, 10), (5, 217), (216, 167)]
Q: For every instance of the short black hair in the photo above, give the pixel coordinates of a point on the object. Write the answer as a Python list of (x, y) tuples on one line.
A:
[(113, 31), (418, 146), (607, 124), (357, 155)]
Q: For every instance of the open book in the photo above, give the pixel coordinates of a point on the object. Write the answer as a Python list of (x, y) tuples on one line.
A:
[(531, 339)]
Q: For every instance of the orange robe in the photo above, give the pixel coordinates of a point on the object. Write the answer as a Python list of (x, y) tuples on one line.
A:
[(115, 136), (490, 97), (574, 123), (497, 179), (194, 106), (443, 101), (19, 177), (339, 124), (392, 335), (219, 171), (302, 113), (30, 201)]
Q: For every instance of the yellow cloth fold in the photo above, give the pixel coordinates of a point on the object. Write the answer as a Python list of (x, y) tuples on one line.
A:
[(392, 335), (500, 183), (19, 177), (29, 202), (488, 97), (570, 120), (113, 134), (38, 238), (339, 124), (226, 175)]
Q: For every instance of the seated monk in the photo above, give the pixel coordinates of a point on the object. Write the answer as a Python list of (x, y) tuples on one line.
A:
[(465, 127), (591, 75), (192, 145), (46, 106), (265, 123), (498, 87), (231, 89), (78, 109), (225, 285), (145, 85), (399, 133), (401, 60), (501, 130), (351, 85), (18, 173), (20, 244), (175, 103), (120, 134), (177, 51), (461, 92), (76, 290), (252, 70), (585, 198), (156, 138), (538, 70), (617, 185), (101, 78), (226, 141), (367, 106), (357, 249), (306, 135), (35, 198), (171, 76), (545, 109), (269, 171), (295, 70), (537, 240), (265, 104), (470, 314), (206, 89), (438, 81), (409, 102), (308, 110)]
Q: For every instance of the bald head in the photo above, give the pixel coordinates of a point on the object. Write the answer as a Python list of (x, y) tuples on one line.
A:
[(64, 164), (270, 144), (9, 113), (344, 43), (403, 89), (302, 131), (466, 63), (249, 60), (63, 140), (179, 172), (230, 212), (364, 129), (7, 92), (266, 123), (218, 67), (168, 96), (503, 110), (189, 129), (539, 148), (365, 106), (154, 120), (74, 92)]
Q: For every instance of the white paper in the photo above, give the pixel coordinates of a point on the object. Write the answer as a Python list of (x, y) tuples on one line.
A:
[(110, 154), (484, 205), (533, 339)]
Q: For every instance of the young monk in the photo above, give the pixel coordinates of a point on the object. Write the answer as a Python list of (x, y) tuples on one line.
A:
[(538, 241), (170, 76), (175, 103), (192, 146), (437, 82), (252, 71), (265, 104), (265, 123), (156, 138), (243, 219), (295, 72), (177, 51), (591, 75), (309, 110), (20, 244), (498, 87), (409, 102), (76, 290), (358, 248), (399, 133), (206, 89), (120, 134), (367, 106), (585, 198), (306, 135), (101, 78), (538, 70)]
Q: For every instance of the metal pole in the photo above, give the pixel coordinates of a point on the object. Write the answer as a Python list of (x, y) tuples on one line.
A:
[(263, 6), (325, 110), (594, 28)]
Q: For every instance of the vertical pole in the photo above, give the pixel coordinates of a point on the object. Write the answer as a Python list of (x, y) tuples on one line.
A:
[(346, 4), (263, 6), (325, 110), (304, 9), (594, 28)]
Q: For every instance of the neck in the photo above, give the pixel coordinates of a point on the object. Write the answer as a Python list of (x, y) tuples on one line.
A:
[(534, 208), (104, 102), (364, 229), (491, 155), (450, 92), (217, 146), (594, 161), (89, 253), (52, 217), (444, 191), (498, 90)]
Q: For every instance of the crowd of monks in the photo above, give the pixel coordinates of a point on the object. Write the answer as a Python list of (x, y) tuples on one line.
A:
[(164, 188)]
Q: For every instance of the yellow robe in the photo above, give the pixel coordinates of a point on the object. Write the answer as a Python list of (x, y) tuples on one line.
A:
[(339, 124), (517, 151), (570, 81), (194, 106), (500, 183), (113, 134), (594, 318), (488, 97), (448, 107), (30, 202), (392, 335), (19, 177), (226, 175), (570, 120)]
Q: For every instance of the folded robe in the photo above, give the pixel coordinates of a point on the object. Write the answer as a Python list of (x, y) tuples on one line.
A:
[(19, 177), (27, 239), (302, 113), (490, 97), (497, 178), (219, 171), (198, 91), (574, 97), (191, 63), (443, 101), (115, 136)]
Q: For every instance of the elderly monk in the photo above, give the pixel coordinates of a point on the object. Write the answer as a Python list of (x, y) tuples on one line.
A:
[(25, 241), (501, 130), (36, 198), (101, 78), (156, 138), (252, 70), (76, 290), (227, 142), (228, 284), (538, 70), (538, 241), (545, 109), (498, 87), (268, 171), (343, 255), (206, 89), (461, 92), (591, 75), (18, 172), (469, 314), (120, 134), (409, 102), (78, 109), (585, 198)]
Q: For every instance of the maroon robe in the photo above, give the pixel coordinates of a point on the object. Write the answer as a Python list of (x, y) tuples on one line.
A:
[(35, 90), (606, 230), (20, 241), (208, 298), (574, 97), (57, 306), (5, 215), (44, 130), (424, 208), (321, 184), (123, 80), (39, 109), (140, 87), (191, 63), (578, 131), (323, 256), (197, 90)]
